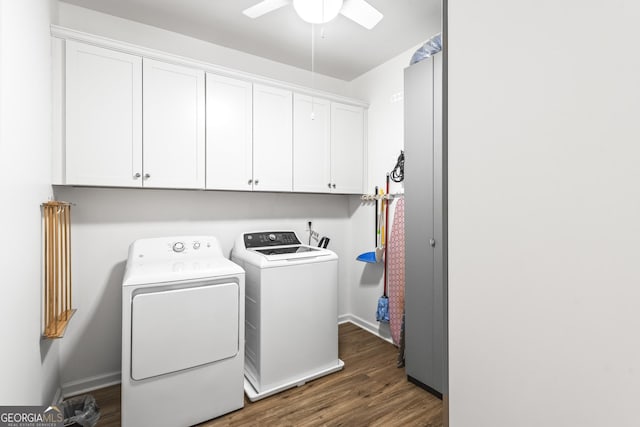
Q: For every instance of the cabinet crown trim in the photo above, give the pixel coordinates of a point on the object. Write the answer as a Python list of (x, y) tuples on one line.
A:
[(70, 34)]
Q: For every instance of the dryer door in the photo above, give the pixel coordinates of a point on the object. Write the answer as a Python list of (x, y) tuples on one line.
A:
[(177, 329)]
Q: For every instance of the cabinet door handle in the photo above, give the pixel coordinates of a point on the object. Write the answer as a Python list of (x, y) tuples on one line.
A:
[(256, 182), (249, 182), (432, 242), (137, 175), (147, 176), (334, 186), (329, 185)]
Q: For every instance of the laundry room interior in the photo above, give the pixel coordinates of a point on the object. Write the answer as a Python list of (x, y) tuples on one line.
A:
[(302, 142), (106, 220)]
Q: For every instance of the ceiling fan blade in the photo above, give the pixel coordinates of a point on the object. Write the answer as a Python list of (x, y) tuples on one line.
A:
[(265, 7), (361, 12)]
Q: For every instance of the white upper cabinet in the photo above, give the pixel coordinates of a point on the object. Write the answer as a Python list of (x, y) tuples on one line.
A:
[(311, 144), (347, 148), (229, 133), (103, 111), (272, 139), (126, 120), (174, 126)]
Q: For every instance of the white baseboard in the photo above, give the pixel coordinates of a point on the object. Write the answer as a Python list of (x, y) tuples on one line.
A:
[(344, 318), (85, 385), (376, 330)]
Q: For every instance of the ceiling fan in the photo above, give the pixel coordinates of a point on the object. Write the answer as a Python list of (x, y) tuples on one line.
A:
[(321, 11)]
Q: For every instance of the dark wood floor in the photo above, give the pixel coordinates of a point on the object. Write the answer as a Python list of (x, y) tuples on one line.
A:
[(369, 391)]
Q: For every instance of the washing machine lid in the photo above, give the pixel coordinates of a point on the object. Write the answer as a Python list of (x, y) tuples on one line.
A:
[(290, 252), (176, 259)]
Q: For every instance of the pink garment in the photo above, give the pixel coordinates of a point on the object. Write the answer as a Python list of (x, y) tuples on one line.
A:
[(395, 275)]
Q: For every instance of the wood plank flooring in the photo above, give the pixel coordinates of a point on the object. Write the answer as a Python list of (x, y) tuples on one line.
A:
[(369, 391)]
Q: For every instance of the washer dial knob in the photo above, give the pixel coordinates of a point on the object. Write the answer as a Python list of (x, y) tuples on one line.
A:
[(178, 247), (272, 237)]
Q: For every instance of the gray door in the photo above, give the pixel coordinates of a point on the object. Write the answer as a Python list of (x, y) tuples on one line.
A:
[(424, 293)]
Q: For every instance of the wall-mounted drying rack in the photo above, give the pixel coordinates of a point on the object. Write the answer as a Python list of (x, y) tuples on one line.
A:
[(56, 218)]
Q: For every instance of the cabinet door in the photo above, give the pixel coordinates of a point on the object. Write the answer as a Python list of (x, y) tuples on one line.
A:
[(173, 124), (425, 288), (272, 139), (347, 148), (103, 144), (311, 144), (229, 134)]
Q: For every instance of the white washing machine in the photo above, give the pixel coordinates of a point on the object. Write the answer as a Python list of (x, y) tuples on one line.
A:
[(291, 304), (182, 332)]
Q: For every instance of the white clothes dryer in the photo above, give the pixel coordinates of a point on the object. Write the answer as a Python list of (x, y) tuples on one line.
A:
[(182, 332), (291, 311)]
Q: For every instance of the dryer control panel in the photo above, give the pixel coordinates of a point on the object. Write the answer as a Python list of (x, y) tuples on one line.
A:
[(270, 238), (174, 247)]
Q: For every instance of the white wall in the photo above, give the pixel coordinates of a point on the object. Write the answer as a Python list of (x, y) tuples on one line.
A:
[(28, 364), (383, 88), (106, 221), (544, 213), (98, 23)]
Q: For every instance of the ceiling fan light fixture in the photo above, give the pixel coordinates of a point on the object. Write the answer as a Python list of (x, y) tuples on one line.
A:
[(317, 11)]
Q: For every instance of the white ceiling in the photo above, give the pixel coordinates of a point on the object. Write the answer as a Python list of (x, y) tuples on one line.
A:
[(347, 51)]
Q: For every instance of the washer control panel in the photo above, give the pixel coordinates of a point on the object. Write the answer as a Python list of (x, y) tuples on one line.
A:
[(270, 238)]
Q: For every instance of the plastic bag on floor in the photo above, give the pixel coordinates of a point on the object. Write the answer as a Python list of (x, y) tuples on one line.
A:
[(80, 411)]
